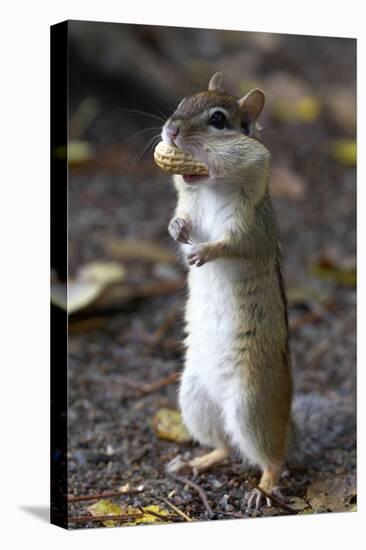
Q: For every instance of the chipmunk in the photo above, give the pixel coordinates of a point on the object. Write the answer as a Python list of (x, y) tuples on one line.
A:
[(236, 388)]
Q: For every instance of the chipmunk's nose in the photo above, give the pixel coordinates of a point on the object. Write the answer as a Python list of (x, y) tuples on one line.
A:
[(173, 131)]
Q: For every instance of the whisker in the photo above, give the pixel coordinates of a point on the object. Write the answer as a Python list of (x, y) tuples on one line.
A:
[(160, 111), (150, 143), (141, 113), (150, 129)]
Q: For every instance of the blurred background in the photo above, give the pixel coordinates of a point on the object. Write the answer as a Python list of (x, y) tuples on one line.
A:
[(127, 288)]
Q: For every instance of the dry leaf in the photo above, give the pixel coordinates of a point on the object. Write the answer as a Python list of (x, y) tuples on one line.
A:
[(290, 99), (344, 151), (305, 109), (76, 152), (105, 507), (299, 504), (332, 494), (285, 182), (342, 103), (91, 280), (133, 249), (168, 424), (151, 518), (300, 295), (325, 268), (102, 272), (79, 294)]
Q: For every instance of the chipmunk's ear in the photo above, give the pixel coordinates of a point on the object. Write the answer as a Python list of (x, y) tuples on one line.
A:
[(251, 105), (216, 83)]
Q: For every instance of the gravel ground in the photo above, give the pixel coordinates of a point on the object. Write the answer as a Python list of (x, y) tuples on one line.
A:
[(111, 438)]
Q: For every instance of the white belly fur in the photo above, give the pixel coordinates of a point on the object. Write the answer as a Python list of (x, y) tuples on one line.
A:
[(210, 317), (211, 310)]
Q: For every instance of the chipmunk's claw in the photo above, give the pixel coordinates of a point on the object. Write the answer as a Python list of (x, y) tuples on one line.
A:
[(197, 256), (180, 230), (178, 465), (256, 499)]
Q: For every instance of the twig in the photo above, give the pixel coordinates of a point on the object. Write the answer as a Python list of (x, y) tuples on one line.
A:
[(166, 381), (143, 388), (163, 328), (306, 318), (198, 490), (106, 494), (120, 517), (176, 509), (166, 517), (274, 498)]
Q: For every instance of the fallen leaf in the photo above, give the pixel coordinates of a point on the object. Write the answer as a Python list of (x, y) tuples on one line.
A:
[(332, 493), (90, 281), (168, 424), (285, 182), (79, 294), (344, 151), (326, 269), (305, 109), (299, 504), (305, 295), (291, 99), (342, 104), (76, 152), (151, 518), (105, 507), (133, 249), (103, 273)]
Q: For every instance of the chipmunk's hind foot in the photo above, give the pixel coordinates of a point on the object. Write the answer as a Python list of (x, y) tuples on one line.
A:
[(202, 463), (268, 483), (207, 461), (256, 499)]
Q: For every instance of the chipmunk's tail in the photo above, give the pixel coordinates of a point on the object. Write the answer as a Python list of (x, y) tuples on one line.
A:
[(320, 424)]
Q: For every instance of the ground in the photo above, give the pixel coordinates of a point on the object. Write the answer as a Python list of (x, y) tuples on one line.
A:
[(112, 440)]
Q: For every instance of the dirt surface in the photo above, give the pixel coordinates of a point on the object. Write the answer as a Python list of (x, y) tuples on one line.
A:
[(111, 438)]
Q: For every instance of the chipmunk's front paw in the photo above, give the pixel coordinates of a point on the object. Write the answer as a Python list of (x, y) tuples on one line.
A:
[(199, 255), (180, 230)]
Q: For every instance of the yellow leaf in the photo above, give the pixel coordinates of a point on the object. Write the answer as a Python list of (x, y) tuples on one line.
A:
[(102, 272), (105, 507), (305, 109), (168, 424), (77, 295), (88, 285), (76, 152), (343, 277), (151, 518), (344, 151)]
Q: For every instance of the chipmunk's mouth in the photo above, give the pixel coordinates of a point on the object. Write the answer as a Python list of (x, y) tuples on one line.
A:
[(193, 178)]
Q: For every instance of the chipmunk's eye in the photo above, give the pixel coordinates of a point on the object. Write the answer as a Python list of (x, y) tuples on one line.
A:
[(218, 120)]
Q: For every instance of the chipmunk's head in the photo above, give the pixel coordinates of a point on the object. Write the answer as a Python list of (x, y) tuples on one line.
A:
[(219, 129)]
